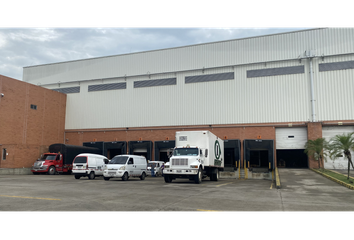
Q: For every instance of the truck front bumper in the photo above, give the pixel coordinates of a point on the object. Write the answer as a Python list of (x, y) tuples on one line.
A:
[(185, 172), (42, 169)]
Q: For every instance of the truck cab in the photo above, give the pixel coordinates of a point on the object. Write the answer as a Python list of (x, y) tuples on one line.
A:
[(48, 163)]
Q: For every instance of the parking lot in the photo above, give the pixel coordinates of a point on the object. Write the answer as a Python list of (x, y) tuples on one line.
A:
[(302, 190)]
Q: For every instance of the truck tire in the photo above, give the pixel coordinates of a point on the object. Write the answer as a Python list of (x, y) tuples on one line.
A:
[(51, 170), (199, 176), (106, 178), (77, 177), (125, 176), (215, 175), (91, 175), (168, 179)]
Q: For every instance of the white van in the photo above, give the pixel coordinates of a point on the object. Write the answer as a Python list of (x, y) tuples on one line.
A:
[(156, 165), (125, 166), (90, 165)]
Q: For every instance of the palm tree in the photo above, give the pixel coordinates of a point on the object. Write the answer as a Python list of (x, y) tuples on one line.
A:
[(314, 148), (342, 144)]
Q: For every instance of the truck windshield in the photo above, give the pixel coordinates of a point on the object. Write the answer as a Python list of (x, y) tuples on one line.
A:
[(48, 157), (185, 152), (119, 160)]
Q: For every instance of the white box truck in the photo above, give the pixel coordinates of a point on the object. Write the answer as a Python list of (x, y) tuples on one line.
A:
[(197, 154)]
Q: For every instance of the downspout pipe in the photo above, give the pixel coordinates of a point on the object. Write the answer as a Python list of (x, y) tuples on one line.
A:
[(312, 91)]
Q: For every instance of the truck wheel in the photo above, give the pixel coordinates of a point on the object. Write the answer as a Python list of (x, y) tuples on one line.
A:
[(77, 177), (91, 175), (125, 176), (143, 175), (168, 179), (106, 178), (51, 170), (199, 176), (215, 176)]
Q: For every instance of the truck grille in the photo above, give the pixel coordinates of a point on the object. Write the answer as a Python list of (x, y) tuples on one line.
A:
[(180, 162)]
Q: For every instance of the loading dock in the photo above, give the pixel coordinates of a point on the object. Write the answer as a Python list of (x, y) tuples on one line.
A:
[(290, 146), (292, 158), (142, 148), (99, 145), (232, 153), (161, 148), (259, 154), (112, 149)]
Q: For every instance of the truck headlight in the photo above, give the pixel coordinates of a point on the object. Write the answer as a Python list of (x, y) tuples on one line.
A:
[(122, 168), (167, 166), (194, 166)]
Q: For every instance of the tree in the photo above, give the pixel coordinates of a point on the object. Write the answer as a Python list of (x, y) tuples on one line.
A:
[(315, 149), (342, 144)]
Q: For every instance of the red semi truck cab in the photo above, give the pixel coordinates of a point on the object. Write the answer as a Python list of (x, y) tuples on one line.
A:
[(59, 159), (51, 163)]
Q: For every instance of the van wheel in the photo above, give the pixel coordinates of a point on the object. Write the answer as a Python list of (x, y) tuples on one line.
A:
[(77, 177), (199, 176), (91, 175), (51, 170), (143, 175), (125, 176), (106, 178)]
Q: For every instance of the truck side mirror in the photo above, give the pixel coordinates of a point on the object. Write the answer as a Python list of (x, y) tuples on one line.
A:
[(206, 152)]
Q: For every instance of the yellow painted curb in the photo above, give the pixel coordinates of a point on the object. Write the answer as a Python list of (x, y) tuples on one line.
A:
[(334, 179), (277, 178)]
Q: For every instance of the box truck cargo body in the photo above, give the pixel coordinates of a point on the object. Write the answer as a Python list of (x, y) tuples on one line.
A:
[(197, 154)]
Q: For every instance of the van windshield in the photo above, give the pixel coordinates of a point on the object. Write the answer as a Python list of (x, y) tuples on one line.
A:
[(119, 160), (185, 152), (80, 160)]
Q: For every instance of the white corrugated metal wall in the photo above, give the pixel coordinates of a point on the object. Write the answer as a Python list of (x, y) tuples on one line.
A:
[(227, 53), (283, 98)]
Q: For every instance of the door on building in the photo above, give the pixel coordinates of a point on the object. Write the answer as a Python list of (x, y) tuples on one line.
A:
[(141, 148), (140, 152), (232, 153), (161, 148), (259, 159), (259, 154), (290, 146), (330, 132)]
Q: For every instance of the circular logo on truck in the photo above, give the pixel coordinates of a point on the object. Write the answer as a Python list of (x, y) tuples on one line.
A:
[(217, 149)]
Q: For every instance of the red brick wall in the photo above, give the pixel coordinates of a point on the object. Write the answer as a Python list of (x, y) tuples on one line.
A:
[(314, 131), (24, 132), (81, 136)]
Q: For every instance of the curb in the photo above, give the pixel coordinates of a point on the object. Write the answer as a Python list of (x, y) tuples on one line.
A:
[(277, 179), (334, 179)]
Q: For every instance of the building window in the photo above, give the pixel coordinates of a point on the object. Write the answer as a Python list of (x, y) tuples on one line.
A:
[(34, 107), (4, 154)]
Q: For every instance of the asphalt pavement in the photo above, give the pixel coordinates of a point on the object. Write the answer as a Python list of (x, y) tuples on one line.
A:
[(302, 190)]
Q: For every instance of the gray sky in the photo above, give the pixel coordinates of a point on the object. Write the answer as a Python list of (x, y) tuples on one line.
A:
[(22, 47)]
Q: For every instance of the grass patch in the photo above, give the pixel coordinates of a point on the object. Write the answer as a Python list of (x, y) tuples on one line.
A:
[(338, 176)]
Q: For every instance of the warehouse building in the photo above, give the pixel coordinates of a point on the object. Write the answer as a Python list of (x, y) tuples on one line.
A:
[(265, 96)]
